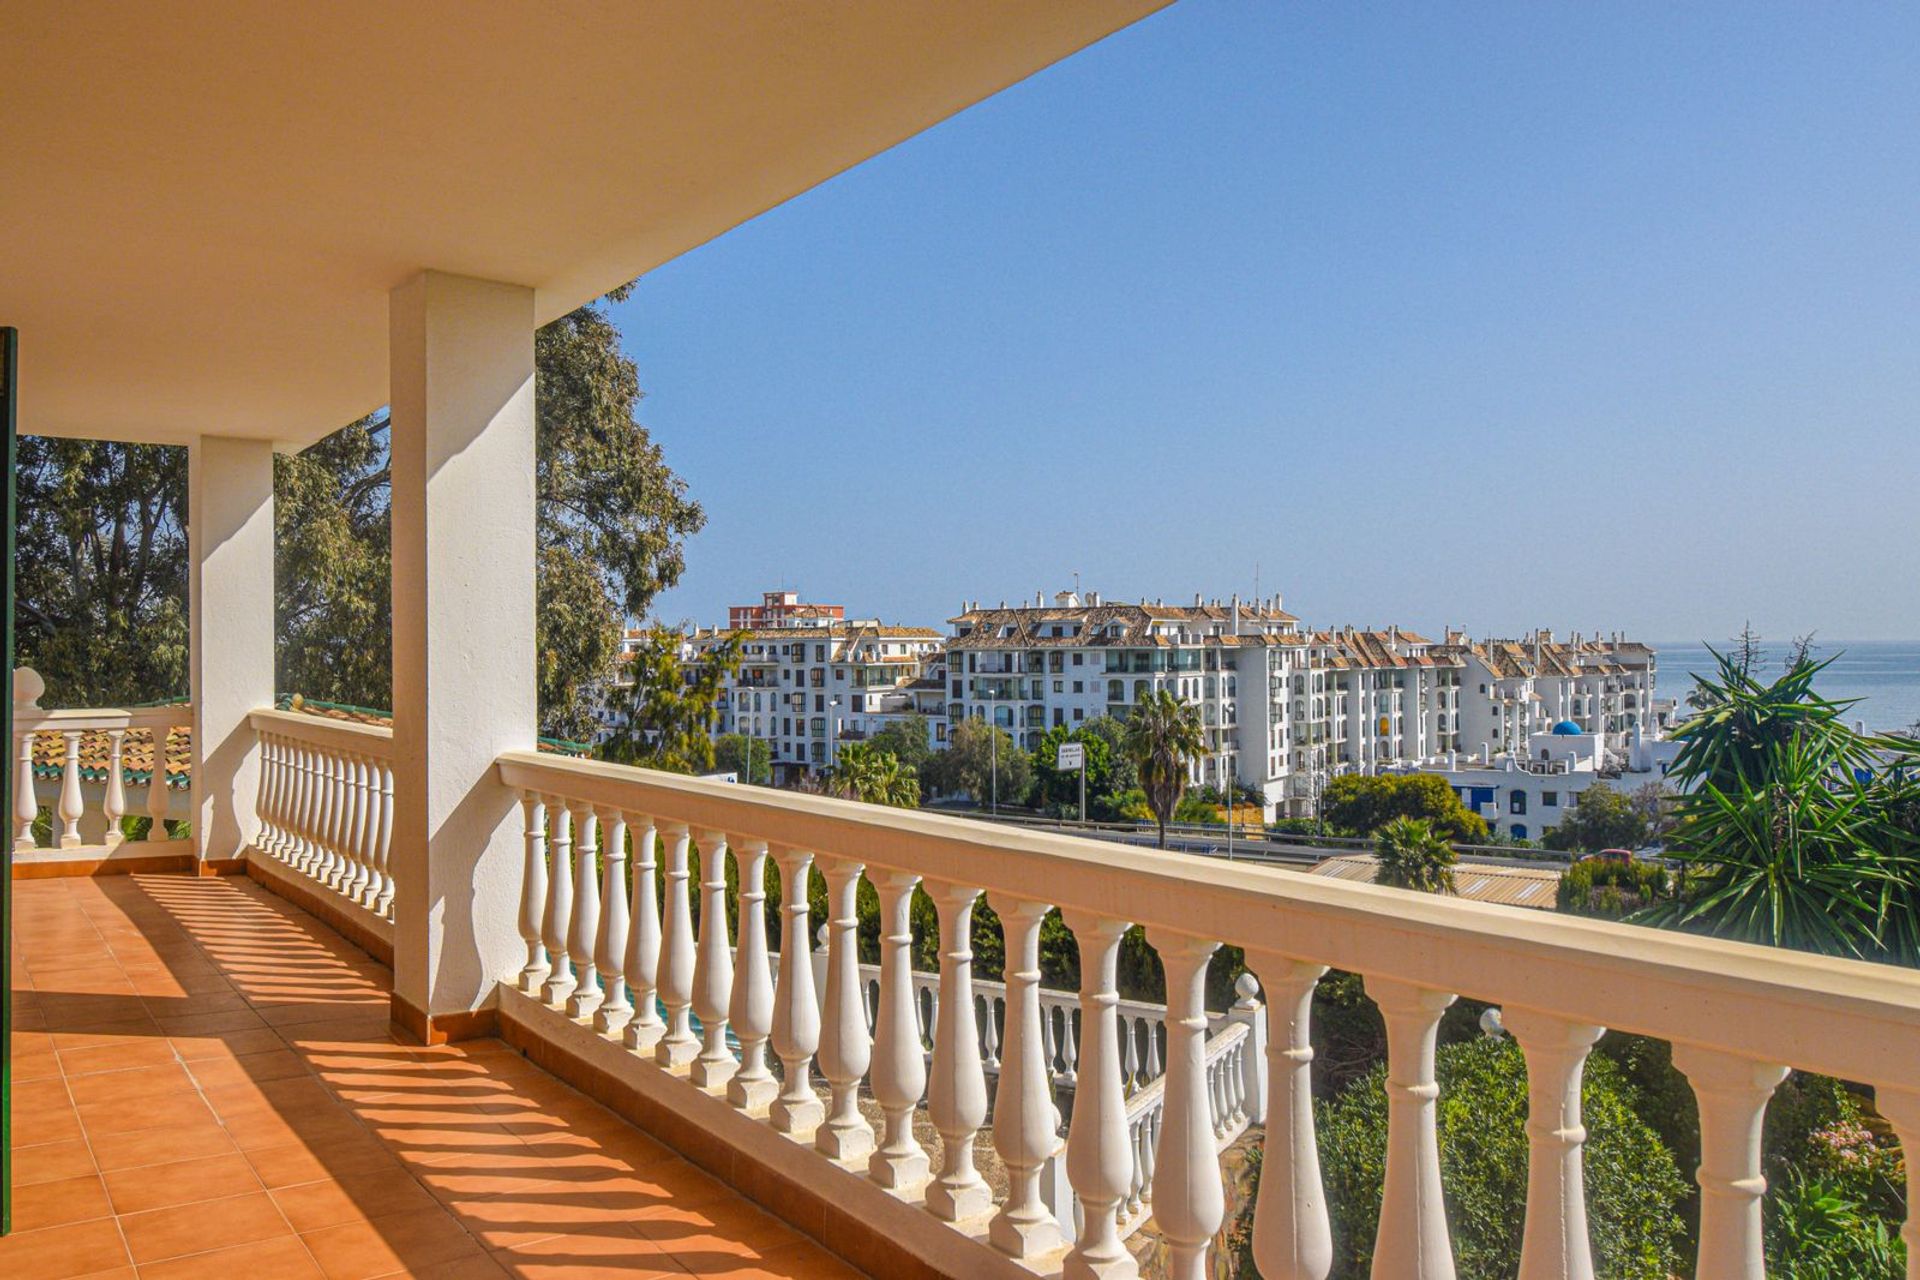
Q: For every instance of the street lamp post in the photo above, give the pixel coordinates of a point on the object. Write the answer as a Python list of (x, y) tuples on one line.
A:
[(833, 731)]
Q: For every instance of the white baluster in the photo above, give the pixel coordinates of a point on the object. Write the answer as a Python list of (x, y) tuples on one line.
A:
[(678, 1047), (1069, 1049), (586, 911), (270, 778), (845, 1047), (353, 882), (1099, 1151), (383, 843), (957, 1093), (1901, 1107), (26, 806), (309, 801), (115, 806), (533, 893), (899, 1060), (1554, 1243), (751, 1009), (557, 927), (1253, 1059), (1023, 1110), (1732, 1093), (366, 881), (325, 816), (643, 942), (157, 796), (296, 800), (713, 968), (70, 804), (1412, 1239), (1189, 1201), (610, 944), (796, 1009)]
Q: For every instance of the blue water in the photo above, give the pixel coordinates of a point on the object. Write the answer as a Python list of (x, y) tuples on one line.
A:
[(1883, 674)]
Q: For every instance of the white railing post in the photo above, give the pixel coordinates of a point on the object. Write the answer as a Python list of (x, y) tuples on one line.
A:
[(796, 1009), (1099, 1148), (1901, 1107), (713, 968), (645, 1028), (353, 879), (957, 1092), (845, 1047), (533, 893), (899, 1059), (1253, 1079), (1412, 1239), (1292, 1237), (1189, 1201), (1554, 1244), (115, 806), (1025, 1121), (678, 1046), (366, 880), (383, 844), (26, 806), (158, 798), (70, 804), (586, 911), (263, 804), (610, 944), (303, 809), (1733, 1093), (751, 1010), (557, 926)]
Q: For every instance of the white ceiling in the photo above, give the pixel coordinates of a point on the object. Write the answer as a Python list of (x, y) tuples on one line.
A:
[(203, 206)]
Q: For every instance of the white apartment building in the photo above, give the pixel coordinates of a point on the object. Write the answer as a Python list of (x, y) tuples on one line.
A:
[(1511, 690), (1031, 667), (1526, 792)]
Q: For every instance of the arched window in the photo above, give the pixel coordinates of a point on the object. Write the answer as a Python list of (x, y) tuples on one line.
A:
[(1517, 802), (1519, 831)]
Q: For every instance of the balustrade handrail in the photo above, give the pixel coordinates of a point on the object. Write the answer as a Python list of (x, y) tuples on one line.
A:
[(1846, 1018), (372, 740), (39, 720)]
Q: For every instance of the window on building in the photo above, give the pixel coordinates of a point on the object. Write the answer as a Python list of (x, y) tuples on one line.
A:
[(819, 653), (1517, 802), (1079, 659), (1059, 716), (1550, 799), (1059, 686), (1079, 713), (1079, 686)]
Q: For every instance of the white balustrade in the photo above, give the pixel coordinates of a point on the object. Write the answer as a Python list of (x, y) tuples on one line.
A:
[(1157, 1094), (325, 805), (556, 926), (87, 751), (610, 943), (584, 934), (533, 894)]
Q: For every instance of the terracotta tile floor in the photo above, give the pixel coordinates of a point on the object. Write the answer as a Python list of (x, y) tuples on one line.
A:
[(205, 1085)]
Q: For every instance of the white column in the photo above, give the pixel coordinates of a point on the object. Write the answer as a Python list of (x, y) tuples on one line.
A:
[(1901, 1107), (557, 926), (751, 1009), (1412, 1240), (1099, 1148), (610, 944), (1189, 1201), (231, 649), (796, 1009), (585, 934), (899, 1060), (26, 806), (115, 807), (1554, 1243), (461, 375), (1292, 1237), (713, 967), (957, 1093), (1025, 1133), (1732, 1093), (643, 943), (533, 894), (677, 1047), (71, 806), (845, 1048)]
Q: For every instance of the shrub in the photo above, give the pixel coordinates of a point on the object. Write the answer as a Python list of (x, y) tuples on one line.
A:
[(1634, 1186), (1412, 855), (1612, 890)]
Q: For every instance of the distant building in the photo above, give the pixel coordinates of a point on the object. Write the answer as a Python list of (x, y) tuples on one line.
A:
[(781, 609)]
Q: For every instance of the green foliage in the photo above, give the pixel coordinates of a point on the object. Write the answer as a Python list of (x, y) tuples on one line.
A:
[(1194, 807), (333, 594), (751, 758), (1817, 1230), (670, 707), (1163, 739), (863, 772), (1058, 791), (1362, 805), (1600, 818), (1412, 855), (1612, 890), (907, 740), (100, 604), (1122, 774), (1634, 1187), (977, 752)]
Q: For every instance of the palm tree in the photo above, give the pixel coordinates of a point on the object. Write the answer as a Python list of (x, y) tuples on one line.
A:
[(1412, 855), (1163, 738), (864, 772)]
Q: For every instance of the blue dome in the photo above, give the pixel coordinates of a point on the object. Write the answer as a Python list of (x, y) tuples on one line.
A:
[(1567, 728)]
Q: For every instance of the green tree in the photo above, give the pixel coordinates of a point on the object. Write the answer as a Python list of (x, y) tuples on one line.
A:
[(863, 772), (1361, 805), (1164, 737), (1600, 818), (975, 752), (668, 708), (1634, 1186), (101, 570), (907, 740), (1059, 789), (1611, 890), (1412, 855), (751, 758), (1121, 773)]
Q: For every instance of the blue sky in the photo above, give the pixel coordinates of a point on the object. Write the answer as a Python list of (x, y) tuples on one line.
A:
[(1581, 315)]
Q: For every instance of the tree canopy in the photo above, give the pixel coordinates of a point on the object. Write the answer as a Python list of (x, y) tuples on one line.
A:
[(976, 753), (1363, 804), (751, 758), (1599, 818), (665, 711)]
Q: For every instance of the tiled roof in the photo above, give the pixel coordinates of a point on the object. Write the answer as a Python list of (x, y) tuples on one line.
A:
[(1127, 626), (1535, 887), (136, 756)]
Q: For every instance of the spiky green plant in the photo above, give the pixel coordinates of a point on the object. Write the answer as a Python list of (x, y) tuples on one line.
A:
[(1412, 855), (1163, 738)]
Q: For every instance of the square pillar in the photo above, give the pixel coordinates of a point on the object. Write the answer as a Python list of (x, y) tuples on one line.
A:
[(230, 549), (463, 640)]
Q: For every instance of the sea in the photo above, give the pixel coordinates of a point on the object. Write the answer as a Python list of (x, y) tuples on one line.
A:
[(1884, 675)]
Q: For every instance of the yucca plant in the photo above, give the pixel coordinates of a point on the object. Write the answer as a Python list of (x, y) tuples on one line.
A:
[(1412, 855), (863, 772)]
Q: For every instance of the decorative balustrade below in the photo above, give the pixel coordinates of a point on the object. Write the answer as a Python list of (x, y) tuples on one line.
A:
[(325, 803), (92, 769)]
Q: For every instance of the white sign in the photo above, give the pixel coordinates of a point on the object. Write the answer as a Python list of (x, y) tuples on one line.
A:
[(1073, 755)]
